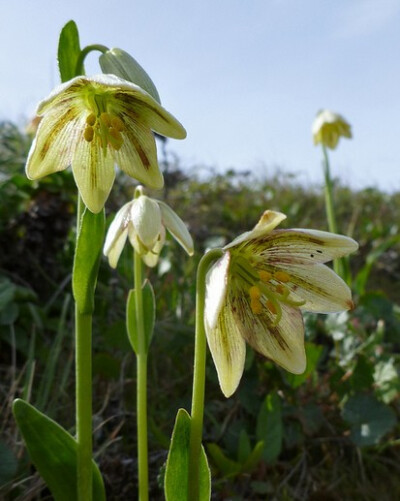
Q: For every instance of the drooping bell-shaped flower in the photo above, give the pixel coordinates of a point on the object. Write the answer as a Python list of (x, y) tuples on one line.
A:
[(257, 290), (94, 123), (144, 221), (328, 127)]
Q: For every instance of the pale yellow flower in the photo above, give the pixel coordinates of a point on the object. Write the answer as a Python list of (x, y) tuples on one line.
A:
[(257, 290), (328, 127), (94, 123), (144, 221)]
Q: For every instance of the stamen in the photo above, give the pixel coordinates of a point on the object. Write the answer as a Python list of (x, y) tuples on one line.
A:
[(88, 134), (117, 124), (256, 306), (282, 276), (106, 119), (254, 292), (91, 119), (265, 276), (270, 305), (116, 139)]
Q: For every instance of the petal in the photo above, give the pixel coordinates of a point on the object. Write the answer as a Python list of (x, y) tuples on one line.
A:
[(94, 173), (137, 156), (216, 289), (116, 235), (305, 247), (176, 227), (283, 343), (65, 94), (268, 221), (228, 350), (146, 219), (54, 144), (151, 258), (320, 287)]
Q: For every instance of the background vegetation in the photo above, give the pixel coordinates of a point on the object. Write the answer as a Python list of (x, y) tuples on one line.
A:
[(329, 434)]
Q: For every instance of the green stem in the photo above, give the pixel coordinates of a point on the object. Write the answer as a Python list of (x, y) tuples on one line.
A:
[(197, 412), (338, 264), (83, 368), (141, 389), (84, 52)]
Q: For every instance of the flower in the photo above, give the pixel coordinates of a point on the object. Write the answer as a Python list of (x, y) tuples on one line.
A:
[(328, 127), (144, 221), (257, 290), (93, 123)]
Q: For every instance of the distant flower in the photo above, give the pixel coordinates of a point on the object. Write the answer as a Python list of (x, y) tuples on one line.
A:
[(328, 127), (257, 290), (93, 123), (144, 221)]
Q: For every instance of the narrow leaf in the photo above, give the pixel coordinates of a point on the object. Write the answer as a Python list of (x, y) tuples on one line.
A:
[(254, 458), (68, 51), (269, 427), (226, 466), (87, 259), (149, 315), (54, 453), (177, 470)]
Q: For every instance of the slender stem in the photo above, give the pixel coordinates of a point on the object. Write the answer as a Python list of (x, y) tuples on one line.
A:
[(83, 368), (84, 52), (197, 412), (141, 388), (338, 264)]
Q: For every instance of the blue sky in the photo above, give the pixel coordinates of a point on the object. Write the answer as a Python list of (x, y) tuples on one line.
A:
[(245, 77)]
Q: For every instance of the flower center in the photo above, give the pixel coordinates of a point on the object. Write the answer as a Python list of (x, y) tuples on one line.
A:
[(267, 290), (105, 126)]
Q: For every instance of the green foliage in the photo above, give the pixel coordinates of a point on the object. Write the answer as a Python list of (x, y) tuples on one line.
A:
[(68, 52), (177, 469), (149, 310), (54, 453)]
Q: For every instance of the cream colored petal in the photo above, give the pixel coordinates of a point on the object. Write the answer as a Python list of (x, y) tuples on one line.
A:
[(94, 174), (283, 343), (228, 350), (146, 219), (268, 221), (55, 141), (216, 289), (176, 227), (66, 94), (150, 259), (138, 155), (320, 287), (116, 235), (300, 246)]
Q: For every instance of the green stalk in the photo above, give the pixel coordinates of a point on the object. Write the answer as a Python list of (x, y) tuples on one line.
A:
[(83, 368), (141, 388), (339, 265), (197, 412), (83, 389)]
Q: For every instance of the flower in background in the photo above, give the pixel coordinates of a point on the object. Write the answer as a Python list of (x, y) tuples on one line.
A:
[(328, 127), (93, 123), (257, 290), (144, 221)]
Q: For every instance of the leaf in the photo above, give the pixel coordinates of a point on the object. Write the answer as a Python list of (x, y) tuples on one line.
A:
[(369, 419), (177, 469), (313, 354), (149, 315), (244, 448), (87, 259), (68, 51), (269, 427), (226, 466), (54, 453), (8, 464), (254, 458)]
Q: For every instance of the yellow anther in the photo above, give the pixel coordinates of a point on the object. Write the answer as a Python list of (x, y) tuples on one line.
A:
[(116, 139), (117, 124), (254, 292), (256, 306), (91, 119), (272, 308), (88, 134), (106, 119), (280, 289), (282, 276), (265, 276)]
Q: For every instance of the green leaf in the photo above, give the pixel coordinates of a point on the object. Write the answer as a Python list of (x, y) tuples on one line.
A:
[(226, 466), (68, 51), (269, 427), (177, 469), (87, 259), (149, 315), (244, 448), (254, 458), (8, 464), (313, 354), (54, 453), (369, 419)]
